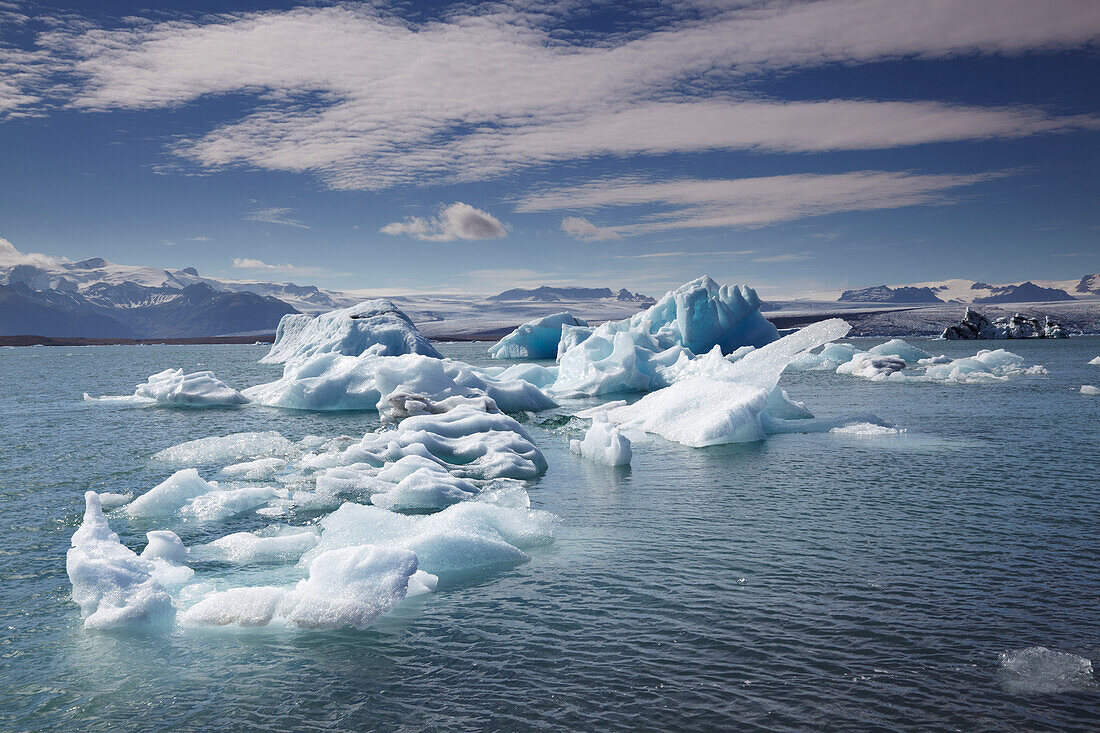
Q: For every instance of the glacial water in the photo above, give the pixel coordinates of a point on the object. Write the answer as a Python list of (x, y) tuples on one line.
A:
[(822, 582)]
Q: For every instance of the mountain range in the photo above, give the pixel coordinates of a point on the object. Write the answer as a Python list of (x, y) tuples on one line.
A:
[(972, 291)]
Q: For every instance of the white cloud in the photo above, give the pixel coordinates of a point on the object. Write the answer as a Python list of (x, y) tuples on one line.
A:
[(580, 228), (457, 221), (365, 99), (745, 202), (248, 263), (9, 256), (275, 215)]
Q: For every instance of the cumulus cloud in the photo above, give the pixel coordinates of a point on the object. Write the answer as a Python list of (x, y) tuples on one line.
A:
[(276, 215), (9, 256), (742, 202), (367, 99), (457, 221)]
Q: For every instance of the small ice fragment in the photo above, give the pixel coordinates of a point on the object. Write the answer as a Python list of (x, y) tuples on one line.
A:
[(604, 443), (1090, 389), (1041, 671), (165, 545), (1095, 362)]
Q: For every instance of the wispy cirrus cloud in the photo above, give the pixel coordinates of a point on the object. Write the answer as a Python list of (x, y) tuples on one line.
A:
[(786, 257), (743, 202), (275, 215), (457, 221), (366, 99)]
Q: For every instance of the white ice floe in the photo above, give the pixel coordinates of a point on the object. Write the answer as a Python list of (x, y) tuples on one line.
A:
[(173, 387), (112, 585), (867, 430), (901, 349), (473, 443), (369, 382), (271, 545), (171, 495), (875, 367), (463, 537), (1037, 670), (377, 325), (349, 587), (830, 357), (261, 469), (1095, 362), (1090, 389), (537, 339), (228, 449), (986, 365), (110, 500), (186, 495), (631, 355), (604, 443)]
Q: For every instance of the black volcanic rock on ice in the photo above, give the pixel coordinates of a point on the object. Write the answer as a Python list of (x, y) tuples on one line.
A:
[(886, 294), (976, 326)]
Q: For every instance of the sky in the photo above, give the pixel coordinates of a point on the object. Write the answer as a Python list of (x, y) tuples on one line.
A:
[(471, 147)]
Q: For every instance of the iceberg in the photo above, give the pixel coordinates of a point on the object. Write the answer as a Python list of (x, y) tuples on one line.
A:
[(1090, 389), (171, 495), (537, 339), (717, 401), (986, 365), (603, 443), (199, 389), (369, 382), (277, 544), (1095, 362), (630, 355), (113, 586), (377, 325), (830, 357)]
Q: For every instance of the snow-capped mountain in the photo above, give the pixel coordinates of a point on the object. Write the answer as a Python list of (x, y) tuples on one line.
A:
[(957, 290)]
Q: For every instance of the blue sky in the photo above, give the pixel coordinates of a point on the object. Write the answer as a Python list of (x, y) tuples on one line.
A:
[(409, 147)]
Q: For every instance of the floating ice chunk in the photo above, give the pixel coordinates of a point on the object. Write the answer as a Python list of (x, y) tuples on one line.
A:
[(215, 506), (875, 367), (986, 365), (173, 387), (425, 488), (830, 357), (571, 336), (473, 443), (1095, 362), (941, 359), (374, 324), (111, 584), (536, 374), (777, 426), (626, 356), (228, 449), (349, 587), (250, 606), (165, 545), (537, 339), (1090, 389), (781, 405), (462, 537), (723, 402), (1040, 671), (604, 443), (260, 469), (171, 495), (421, 583), (392, 385), (867, 430), (279, 544), (901, 349), (112, 501)]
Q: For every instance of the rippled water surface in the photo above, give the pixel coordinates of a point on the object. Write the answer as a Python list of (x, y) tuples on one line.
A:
[(808, 582)]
